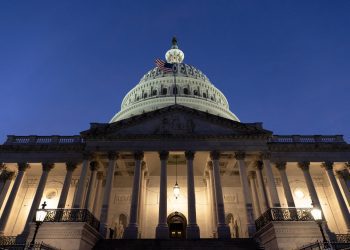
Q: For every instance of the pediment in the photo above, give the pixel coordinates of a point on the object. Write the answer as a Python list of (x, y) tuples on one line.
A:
[(175, 120)]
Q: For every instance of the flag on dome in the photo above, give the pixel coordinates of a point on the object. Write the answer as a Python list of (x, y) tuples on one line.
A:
[(164, 66)]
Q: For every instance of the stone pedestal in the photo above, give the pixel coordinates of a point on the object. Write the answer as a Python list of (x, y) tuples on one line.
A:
[(66, 235), (287, 235)]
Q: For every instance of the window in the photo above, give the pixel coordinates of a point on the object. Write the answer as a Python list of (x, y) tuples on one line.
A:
[(164, 91), (204, 95), (195, 92), (145, 95), (154, 92), (186, 91)]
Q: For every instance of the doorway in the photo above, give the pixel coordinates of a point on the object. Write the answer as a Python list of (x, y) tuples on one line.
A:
[(177, 225)]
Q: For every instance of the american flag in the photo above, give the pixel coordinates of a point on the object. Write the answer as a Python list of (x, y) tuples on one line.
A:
[(163, 66)]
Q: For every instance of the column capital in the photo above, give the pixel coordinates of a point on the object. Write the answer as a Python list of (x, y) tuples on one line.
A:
[(215, 155), (2, 165), (7, 175), (265, 155), (328, 165), (189, 155), (347, 164), (47, 166), (22, 166), (341, 173), (99, 175), (240, 155), (259, 165), (163, 155), (281, 165), (304, 165), (143, 165), (210, 165), (71, 166), (138, 155), (94, 166), (87, 155), (112, 155), (251, 174)]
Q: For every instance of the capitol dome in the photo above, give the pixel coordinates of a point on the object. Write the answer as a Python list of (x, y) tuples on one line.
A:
[(186, 86)]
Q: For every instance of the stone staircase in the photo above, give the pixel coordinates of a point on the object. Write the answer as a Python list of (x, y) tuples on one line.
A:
[(147, 244)]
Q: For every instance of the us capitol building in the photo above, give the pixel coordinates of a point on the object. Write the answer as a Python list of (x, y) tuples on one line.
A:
[(175, 164)]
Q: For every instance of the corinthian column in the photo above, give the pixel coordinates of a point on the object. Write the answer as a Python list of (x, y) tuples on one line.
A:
[(38, 195), (98, 192), (305, 167), (343, 175), (78, 200), (112, 156), (262, 188), (257, 210), (270, 180), (223, 230), (281, 166), (89, 194), (162, 230), (343, 208), (246, 194), (70, 166), (212, 196), (192, 230), (7, 178), (131, 231), (9, 204)]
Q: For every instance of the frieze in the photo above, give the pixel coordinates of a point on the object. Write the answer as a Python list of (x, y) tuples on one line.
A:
[(230, 198), (175, 125)]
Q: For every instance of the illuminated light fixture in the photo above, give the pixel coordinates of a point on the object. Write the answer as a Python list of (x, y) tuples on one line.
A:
[(176, 188), (317, 214), (39, 219), (299, 194)]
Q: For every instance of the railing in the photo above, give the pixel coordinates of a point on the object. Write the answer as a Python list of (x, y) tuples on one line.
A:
[(343, 238), (283, 214), (323, 246), (9, 243), (72, 215), (307, 139), (43, 140)]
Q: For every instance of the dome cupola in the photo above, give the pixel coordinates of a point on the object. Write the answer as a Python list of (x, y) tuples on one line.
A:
[(184, 85)]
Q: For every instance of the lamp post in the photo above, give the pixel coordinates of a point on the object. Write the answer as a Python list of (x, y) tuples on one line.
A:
[(317, 214), (39, 218), (176, 188)]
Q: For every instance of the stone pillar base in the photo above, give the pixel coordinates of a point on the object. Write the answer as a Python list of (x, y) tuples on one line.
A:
[(131, 232), (162, 231), (66, 235), (192, 232), (224, 232), (285, 235)]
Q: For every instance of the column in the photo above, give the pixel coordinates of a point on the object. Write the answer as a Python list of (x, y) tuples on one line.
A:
[(7, 178), (281, 166), (141, 198), (112, 157), (257, 210), (192, 230), (38, 195), (343, 208), (98, 192), (78, 200), (259, 176), (131, 231), (305, 167), (342, 176), (246, 194), (213, 198), (70, 167), (89, 194), (270, 180), (9, 204), (162, 230), (222, 229)]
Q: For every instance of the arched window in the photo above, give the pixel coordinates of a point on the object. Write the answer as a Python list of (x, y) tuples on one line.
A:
[(145, 95), (175, 90), (195, 92), (186, 91), (154, 92), (204, 95), (164, 91)]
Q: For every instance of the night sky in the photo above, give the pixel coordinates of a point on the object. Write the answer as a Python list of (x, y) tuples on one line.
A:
[(64, 64)]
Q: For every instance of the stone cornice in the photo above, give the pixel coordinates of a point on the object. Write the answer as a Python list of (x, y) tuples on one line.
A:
[(42, 148), (312, 147)]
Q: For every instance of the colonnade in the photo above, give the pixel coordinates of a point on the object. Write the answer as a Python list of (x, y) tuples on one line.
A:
[(255, 203)]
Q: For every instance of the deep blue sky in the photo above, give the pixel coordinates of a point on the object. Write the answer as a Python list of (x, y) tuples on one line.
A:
[(64, 64)]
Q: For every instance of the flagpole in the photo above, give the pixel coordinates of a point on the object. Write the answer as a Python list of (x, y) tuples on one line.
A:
[(175, 85)]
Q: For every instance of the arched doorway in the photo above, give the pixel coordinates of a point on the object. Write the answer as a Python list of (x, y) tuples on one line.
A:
[(177, 225)]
